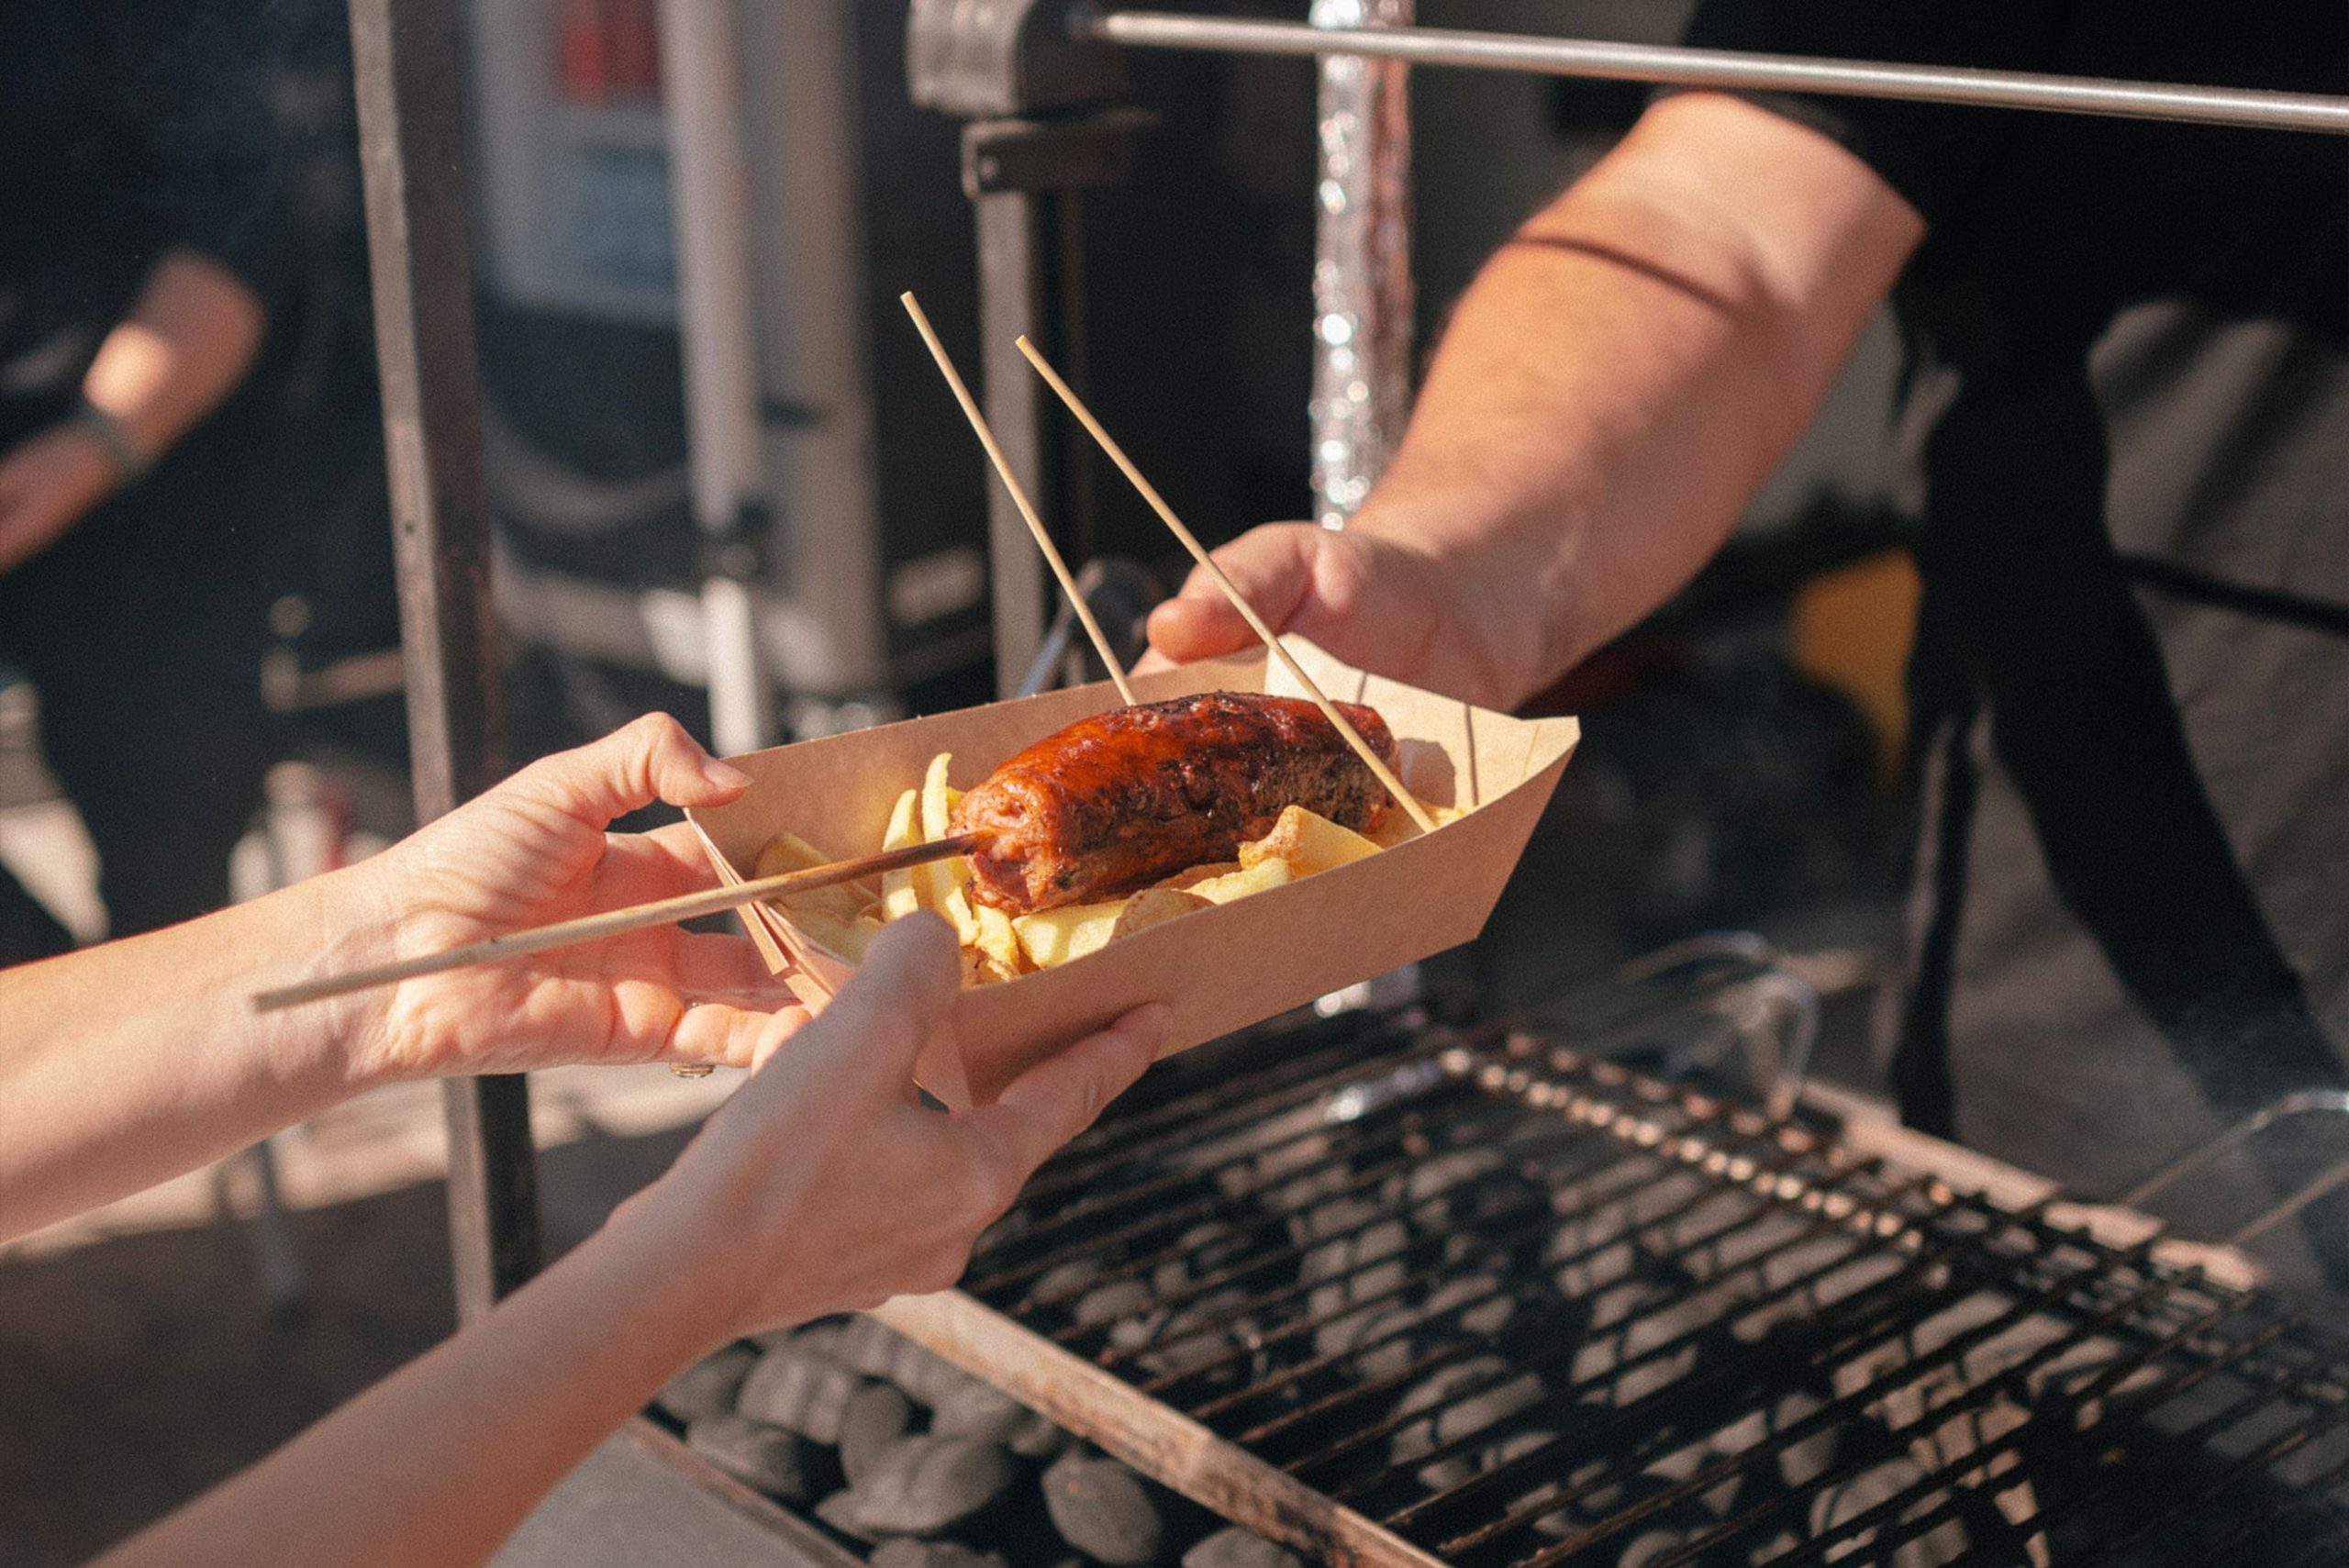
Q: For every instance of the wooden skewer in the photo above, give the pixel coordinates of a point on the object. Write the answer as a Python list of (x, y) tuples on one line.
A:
[(1363, 749), (1019, 496), (611, 922)]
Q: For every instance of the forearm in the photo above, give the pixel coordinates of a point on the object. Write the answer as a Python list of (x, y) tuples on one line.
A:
[(188, 340), (131, 1062), (437, 1464), (1629, 370)]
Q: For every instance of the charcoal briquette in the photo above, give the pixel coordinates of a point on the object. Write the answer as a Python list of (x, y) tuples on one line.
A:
[(1186, 1344), (1109, 1303), (877, 1415), (798, 1388), (868, 1345), (1325, 1220), (1113, 1514), (779, 1464), (978, 1409), (1234, 1547), (708, 1386), (842, 1511), (1206, 1247), (1460, 1407), (926, 1485), (824, 1336), (1063, 1283), (905, 1551), (1040, 1438), (1383, 1330), (1483, 1308)]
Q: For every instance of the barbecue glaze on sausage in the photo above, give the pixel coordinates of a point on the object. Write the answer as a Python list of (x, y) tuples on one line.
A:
[(1116, 802)]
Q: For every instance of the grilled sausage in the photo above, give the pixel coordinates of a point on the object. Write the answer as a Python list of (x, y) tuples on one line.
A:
[(1116, 802)]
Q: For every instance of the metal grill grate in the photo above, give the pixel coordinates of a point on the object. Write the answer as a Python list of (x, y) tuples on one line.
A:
[(1523, 1308)]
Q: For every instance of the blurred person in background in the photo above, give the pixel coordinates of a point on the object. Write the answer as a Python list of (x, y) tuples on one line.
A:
[(2126, 406), (140, 250)]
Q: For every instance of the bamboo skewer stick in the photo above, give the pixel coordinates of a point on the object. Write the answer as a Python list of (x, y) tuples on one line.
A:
[(611, 922), (1363, 749), (1019, 495)]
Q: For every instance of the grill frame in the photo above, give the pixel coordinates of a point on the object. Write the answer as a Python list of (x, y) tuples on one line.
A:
[(2091, 1274)]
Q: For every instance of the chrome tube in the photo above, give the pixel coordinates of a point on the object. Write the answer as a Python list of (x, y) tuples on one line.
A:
[(1724, 67), (1362, 262)]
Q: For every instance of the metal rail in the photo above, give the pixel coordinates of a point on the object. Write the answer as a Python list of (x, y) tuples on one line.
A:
[(1722, 68), (1483, 1293)]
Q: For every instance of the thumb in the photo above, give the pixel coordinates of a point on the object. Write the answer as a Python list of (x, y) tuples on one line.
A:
[(891, 1006), (1058, 1098), (1273, 569), (650, 759)]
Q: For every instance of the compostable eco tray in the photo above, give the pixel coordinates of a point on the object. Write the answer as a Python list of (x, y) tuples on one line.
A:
[(1221, 968)]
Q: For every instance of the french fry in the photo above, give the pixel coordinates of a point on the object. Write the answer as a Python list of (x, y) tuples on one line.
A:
[(900, 895), (997, 940), (849, 939), (1152, 906), (1182, 880), (1055, 936), (946, 876), (1308, 843), (788, 852), (1261, 877)]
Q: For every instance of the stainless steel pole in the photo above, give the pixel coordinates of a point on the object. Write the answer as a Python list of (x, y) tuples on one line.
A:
[(1362, 263), (1722, 68)]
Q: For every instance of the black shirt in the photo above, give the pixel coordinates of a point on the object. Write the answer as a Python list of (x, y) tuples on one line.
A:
[(128, 129), (2128, 405)]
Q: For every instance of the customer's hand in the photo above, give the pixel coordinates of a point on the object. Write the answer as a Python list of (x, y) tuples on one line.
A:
[(823, 1185), (46, 481), (1379, 601), (533, 850)]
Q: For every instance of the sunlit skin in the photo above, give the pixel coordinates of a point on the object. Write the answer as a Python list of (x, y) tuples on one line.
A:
[(188, 340), (1619, 380), (822, 1185)]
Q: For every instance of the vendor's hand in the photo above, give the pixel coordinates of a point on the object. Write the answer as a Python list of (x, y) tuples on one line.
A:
[(47, 482), (1379, 602), (824, 1185), (533, 850)]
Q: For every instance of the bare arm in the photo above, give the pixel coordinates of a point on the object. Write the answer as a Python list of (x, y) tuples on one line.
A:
[(820, 1186), (1621, 378), (188, 340), (126, 1063)]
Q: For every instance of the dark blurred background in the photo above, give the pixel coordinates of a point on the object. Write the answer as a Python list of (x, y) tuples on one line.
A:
[(1741, 762)]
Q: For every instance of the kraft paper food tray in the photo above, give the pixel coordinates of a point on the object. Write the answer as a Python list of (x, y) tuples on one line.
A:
[(1221, 968)]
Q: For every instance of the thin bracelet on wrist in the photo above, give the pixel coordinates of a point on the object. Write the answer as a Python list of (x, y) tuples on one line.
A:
[(124, 458)]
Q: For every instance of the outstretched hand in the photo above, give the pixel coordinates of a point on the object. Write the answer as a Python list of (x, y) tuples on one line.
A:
[(1376, 601), (824, 1185), (533, 850)]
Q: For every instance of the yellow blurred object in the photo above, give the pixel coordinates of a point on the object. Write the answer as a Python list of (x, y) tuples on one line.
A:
[(1852, 629)]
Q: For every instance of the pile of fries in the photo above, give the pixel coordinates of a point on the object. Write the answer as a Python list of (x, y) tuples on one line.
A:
[(997, 946)]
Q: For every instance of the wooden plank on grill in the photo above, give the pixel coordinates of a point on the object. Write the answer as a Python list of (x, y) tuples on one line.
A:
[(1155, 1439)]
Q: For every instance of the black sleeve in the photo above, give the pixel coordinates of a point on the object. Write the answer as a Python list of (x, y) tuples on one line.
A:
[(1930, 153), (191, 94)]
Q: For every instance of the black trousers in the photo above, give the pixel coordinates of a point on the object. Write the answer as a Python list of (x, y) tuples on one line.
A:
[(143, 629)]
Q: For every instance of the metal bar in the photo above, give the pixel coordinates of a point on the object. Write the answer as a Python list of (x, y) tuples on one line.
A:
[(1152, 1437), (1647, 1312), (1544, 1222), (404, 55), (1169, 1219), (1363, 303), (1255, 1262), (1014, 298), (1913, 1434), (1855, 1402), (1731, 69)]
